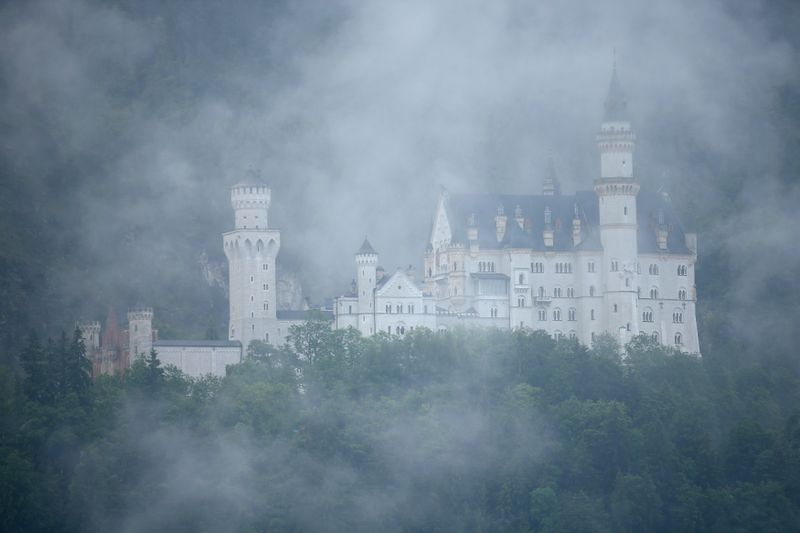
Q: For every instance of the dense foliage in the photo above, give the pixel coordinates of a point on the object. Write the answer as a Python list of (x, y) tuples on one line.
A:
[(459, 431)]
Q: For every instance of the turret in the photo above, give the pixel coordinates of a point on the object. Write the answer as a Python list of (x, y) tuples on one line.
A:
[(140, 332), (550, 185), (366, 280), (500, 222), (547, 233), (252, 249), (90, 331), (616, 189)]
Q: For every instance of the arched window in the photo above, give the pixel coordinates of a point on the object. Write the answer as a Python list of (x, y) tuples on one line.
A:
[(521, 301), (557, 335), (653, 270), (678, 339), (681, 294), (677, 317), (591, 314), (591, 290), (647, 315), (521, 278), (570, 292), (557, 292), (573, 335), (541, 292), (654, 293), (655, 336), (571, 314), (542, 315), (557, 314), (682, 270), (614, 265)]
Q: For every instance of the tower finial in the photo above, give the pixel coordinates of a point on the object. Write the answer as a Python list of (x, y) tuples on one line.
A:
[(616, 103)]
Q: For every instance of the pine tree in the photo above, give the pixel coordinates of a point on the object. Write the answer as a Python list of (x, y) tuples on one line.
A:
[(34, 362), (154, 375)]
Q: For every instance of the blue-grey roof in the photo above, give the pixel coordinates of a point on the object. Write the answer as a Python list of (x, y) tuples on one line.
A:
[(193, 344), (484, 207), (305, 315), (616, 104), (366, 249)]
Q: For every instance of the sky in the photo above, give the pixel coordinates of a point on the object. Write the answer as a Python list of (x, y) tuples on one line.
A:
[(357, 113)]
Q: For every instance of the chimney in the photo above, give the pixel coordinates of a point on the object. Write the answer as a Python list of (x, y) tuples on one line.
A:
[(411, 273), (662, 231), (547, 233), (519, 218), (500, 222)]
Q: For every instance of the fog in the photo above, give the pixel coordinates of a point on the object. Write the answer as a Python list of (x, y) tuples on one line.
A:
[(355, 113)]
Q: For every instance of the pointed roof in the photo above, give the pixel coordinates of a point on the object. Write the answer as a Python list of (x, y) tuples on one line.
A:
[(616, 104), (550, 186), (366, 249)]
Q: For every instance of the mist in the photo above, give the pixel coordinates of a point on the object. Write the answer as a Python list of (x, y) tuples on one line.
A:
[(141, 116)]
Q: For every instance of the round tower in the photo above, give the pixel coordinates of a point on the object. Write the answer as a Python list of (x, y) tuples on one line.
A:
[(251, 249), (140, 332), (366, 279), (616, 190)]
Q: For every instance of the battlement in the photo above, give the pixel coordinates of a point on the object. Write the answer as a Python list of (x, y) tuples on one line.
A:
[(250, 196), (86, 325), (140, 313)]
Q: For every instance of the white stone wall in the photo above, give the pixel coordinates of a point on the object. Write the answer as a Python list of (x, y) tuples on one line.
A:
[(196, 361)]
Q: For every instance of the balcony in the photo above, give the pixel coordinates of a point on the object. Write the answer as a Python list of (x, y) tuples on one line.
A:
[(542, 300)]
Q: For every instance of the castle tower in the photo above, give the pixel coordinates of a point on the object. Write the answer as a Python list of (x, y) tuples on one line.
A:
[(616, 189), (140, 333), (251, 249), (366, 280), (90, 330)]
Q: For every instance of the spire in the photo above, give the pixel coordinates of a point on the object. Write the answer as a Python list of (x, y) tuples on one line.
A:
[(366, 249), (550, 186), (616, 104)]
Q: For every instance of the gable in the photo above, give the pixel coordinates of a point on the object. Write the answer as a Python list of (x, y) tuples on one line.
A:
[(399, 286), (441, 234)]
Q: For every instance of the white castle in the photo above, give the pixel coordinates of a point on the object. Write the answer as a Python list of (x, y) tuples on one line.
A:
[(613, 260)]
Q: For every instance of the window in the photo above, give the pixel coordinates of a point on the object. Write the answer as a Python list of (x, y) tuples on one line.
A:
[(681, 294), (591, 290), (570, 292), (615, 308), (542, 315), (677, 317), (493, 312), (682, 270), (521, 279), (389, 329), (265, 306), (647, 315), (399, 308), (678, 339), (264, 266), (614, 265), (538, 268), (573, 335), (411, 308), (591, 314), (563, 268), (264, 286), (627, 282), (654, 293), (349, 309), (625, 210), (252, 327), (252, 298), (571, 314), (557, 314), (266, 337), (541, 292), (252, 279), (557, 335), (593, 336), (590, 266), (252, 314), (557, 292), (653, 270), (655, 336), (521, 301)]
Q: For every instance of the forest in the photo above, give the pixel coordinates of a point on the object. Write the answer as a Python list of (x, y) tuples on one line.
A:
[(473, 430)]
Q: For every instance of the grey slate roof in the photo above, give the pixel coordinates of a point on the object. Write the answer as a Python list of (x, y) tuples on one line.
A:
[(205, 344), (563, 207), (366, 248)]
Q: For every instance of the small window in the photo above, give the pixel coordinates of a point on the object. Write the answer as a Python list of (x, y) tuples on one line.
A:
[(624, 209), (591, 314), (252, 298), (615, 308), (614, 265), (557, 292), (571, 314), (252, 279), (591, 290), (570, 292), (557, 315), (349, 309), (521, 301), (681, 294), (654, 293), (265, 266), (590, 266), (678, 339), (542, 315), (521, 279), (682, 270)]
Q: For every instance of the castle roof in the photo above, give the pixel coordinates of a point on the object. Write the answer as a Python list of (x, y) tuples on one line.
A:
[(366, 249), (483, 208), (616, 104)]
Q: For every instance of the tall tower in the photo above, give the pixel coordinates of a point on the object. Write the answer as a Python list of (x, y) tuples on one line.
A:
[(616, 191), (251, 249), (366, 265), (140, 333)]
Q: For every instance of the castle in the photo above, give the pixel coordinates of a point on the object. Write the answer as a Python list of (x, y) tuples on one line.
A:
[(614, 259), (609, 260)]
